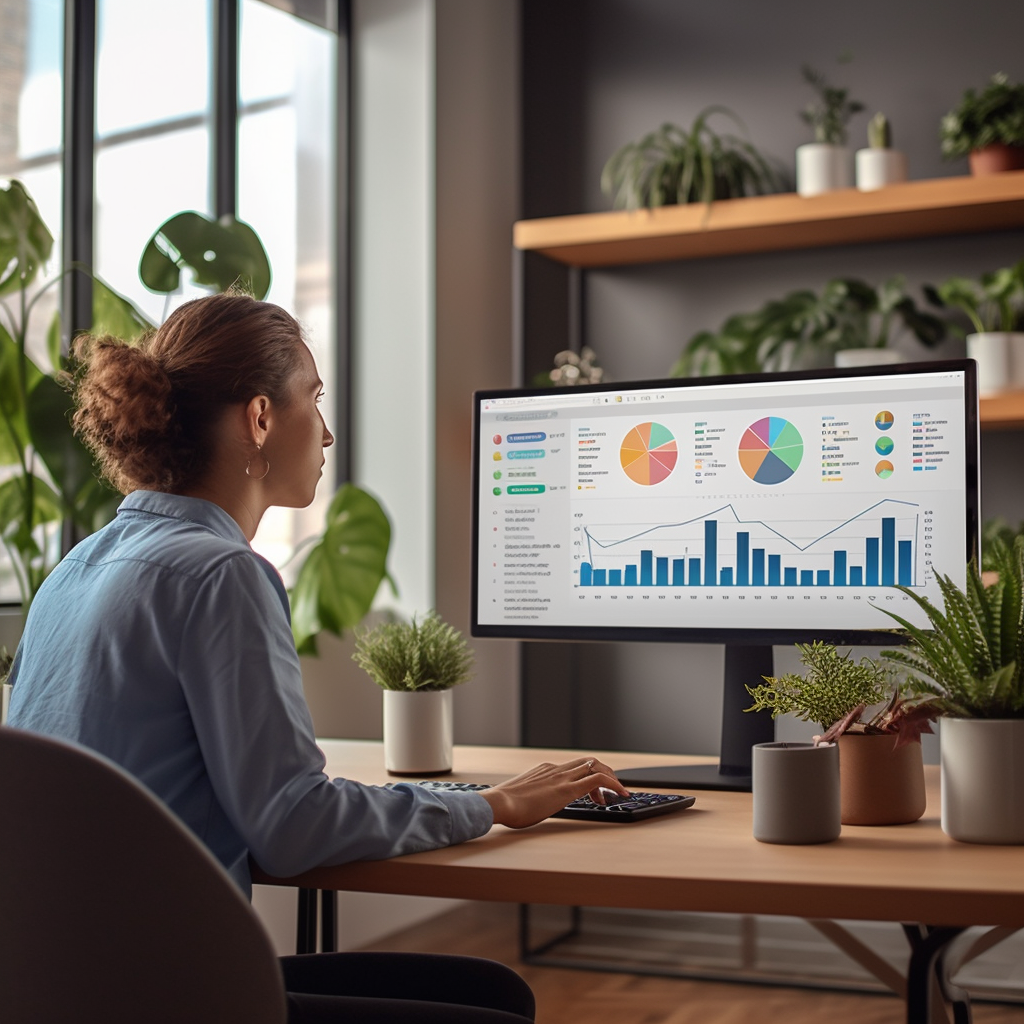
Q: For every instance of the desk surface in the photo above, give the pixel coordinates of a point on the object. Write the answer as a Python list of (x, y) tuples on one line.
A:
[(703, 859)]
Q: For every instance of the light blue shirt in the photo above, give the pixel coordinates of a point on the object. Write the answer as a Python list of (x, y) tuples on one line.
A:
[(163, 642)]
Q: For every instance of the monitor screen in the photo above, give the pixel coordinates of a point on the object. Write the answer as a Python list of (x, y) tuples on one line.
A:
[(756, 510)]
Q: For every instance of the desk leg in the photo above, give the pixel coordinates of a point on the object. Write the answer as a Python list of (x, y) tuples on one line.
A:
[(531, 954), (305, 931), (928, 947), (328, 921), (307, 924)]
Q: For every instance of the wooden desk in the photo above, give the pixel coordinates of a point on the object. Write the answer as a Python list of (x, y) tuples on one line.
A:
[(703, 859)]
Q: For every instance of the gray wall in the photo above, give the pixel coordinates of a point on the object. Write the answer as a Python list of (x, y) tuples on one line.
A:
[(598, 73)]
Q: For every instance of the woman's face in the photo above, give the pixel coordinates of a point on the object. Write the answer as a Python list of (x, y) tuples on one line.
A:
[(297, 438)]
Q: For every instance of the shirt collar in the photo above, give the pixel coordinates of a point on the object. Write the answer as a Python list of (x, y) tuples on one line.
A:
[(191, 510)]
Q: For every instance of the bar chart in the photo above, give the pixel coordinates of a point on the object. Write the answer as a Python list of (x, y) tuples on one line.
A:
[(876, 547)]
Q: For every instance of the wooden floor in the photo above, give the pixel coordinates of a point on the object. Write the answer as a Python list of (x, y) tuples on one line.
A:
[(585, 997)]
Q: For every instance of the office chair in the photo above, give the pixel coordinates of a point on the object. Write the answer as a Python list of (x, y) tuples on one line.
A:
[(110, 909)]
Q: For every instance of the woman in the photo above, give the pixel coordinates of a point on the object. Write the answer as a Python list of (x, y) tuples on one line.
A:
[(163, 641)]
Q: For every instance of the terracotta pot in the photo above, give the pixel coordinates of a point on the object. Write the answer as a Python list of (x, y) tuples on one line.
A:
[(997, 158), (880, 783)]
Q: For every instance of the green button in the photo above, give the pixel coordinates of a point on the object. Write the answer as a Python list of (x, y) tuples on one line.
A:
[(525, 489)]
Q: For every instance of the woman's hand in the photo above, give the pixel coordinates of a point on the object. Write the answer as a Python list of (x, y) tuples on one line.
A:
[(539, 792)]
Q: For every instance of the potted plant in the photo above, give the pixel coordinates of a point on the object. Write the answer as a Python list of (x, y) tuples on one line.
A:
[(804, 327), (672, 165), (881, 768), (994, 305), (879, 165), (987, 127), (416, 664), (971, 659), (6, 660), (824, 164)]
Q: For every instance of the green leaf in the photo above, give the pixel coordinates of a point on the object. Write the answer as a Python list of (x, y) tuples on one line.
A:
[(342, 573), (14, 434), (113, 314), (25, 240), (220, 253)]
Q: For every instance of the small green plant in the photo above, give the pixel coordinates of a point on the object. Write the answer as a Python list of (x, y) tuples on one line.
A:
[(972, 656), (990, 117), (672, 165), (848, 313), (993, 302), (836, 691), (831, 114), (414, 656), (879, 132), (6, 661), (993, 530)]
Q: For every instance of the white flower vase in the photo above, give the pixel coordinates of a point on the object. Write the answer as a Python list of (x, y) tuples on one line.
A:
[(418, 732), (821, 167), (991, 351), (983, 779), (877, 168)]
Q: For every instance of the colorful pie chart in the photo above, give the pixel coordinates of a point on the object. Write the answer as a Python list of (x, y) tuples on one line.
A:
[(884, 469), (884, 420), (770, 450), (648, 454), (884, 445)]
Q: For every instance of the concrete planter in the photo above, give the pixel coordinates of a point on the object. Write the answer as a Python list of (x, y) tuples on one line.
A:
[(418, 732), (821, 167), (796, 793), (877, 168)]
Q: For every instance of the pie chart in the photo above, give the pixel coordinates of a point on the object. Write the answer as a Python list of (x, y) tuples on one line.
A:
[(770, 450), (648, 454)]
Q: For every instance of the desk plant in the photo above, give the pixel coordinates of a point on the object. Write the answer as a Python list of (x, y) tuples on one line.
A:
[(881, 766), (971, 659), (987, 127), (879, 165), (804, 325), (416, 664), (824, 164), (674, 165)]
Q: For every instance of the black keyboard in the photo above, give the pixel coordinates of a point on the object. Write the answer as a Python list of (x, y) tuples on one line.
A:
[(638, 807)]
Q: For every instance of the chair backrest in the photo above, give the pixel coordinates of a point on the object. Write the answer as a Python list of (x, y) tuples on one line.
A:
[(110, 909)]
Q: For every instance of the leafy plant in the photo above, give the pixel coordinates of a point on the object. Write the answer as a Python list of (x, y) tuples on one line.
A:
[(994, 115), (674, 165), (343, 570), (6, 661), (836, 691), (993, 302), (414, 656), (972, 657), (831, 114), (849, 313), (997, 529)]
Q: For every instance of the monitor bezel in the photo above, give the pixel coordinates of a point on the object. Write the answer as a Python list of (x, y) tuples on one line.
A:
[(884, 636)]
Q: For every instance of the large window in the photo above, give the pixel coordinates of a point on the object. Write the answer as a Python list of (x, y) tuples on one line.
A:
[(159, 149)]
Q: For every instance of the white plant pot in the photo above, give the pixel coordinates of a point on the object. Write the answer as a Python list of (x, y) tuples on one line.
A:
[(983, 779), (821, 167), (992, 352), (5, 702), (877, 168), (418, 732), (867, 357)]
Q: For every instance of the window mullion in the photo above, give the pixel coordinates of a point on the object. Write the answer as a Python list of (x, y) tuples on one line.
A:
[(225, 108)]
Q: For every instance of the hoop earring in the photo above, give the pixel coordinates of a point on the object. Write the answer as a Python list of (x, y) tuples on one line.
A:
[(248, 466)]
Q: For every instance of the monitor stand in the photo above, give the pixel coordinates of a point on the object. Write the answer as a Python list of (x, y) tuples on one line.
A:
[(744, 666)]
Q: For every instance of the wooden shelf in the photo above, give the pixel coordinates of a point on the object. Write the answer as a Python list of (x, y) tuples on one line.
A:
[(1003, 411), (913, 209)]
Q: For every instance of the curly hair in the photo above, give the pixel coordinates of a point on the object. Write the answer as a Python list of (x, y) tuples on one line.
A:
[(147, 410)]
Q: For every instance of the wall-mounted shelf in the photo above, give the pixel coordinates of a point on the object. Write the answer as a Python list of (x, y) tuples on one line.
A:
[(913, 209), (1003, 411)]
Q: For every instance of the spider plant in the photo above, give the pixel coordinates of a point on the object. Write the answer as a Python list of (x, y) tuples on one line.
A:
[(673, 165)]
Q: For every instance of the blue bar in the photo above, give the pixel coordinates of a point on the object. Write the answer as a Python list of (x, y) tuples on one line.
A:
[(775, 571), (839, 568), (806, 577), (678, 572), (694, 572), (599, 577), (630, 575), (906, 566), (726, 576), (743, 559), (888, 551), (856, 576), (871, 562), (662, 572), (614, 577), (585, 578), (822, 580), (757, 568), (710, 552), (646, 568), (789, 576)]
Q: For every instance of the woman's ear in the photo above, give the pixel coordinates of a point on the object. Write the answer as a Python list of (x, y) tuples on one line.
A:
[(258, 417)]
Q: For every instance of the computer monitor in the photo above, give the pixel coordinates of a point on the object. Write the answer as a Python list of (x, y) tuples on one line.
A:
[(746, 510)]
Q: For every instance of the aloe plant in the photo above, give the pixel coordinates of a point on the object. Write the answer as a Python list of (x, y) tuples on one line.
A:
[(972, 656), (674, 165)]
